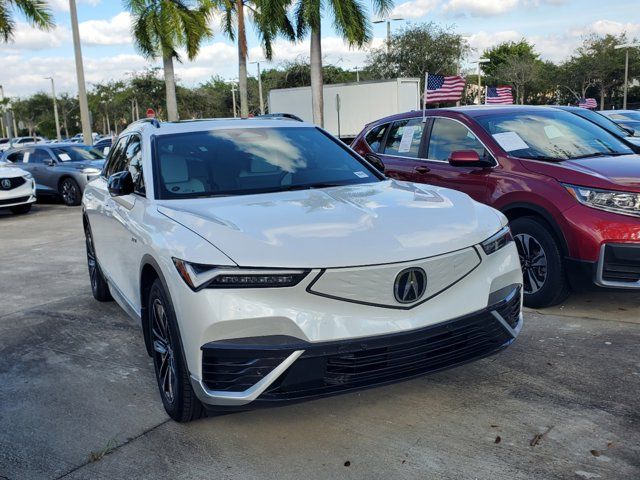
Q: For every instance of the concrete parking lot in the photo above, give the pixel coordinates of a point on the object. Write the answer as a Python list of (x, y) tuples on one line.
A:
[(78, 397)]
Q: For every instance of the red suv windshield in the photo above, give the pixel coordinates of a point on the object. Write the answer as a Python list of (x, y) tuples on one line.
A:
[(550, 135)]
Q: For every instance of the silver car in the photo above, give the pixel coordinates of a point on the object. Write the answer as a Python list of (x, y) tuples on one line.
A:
[(61, 169)]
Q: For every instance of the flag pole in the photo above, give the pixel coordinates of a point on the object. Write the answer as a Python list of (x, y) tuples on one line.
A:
[(424, 98)]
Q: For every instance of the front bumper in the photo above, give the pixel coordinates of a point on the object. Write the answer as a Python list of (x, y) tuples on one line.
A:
[(268, 371), (24, 192)]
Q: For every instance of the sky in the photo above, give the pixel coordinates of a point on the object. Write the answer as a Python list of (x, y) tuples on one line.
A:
[(556, 27)]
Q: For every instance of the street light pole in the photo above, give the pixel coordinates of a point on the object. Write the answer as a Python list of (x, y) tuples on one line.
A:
[(626, 46), (82, 89), (479, 95), (388, 20), (233, 95), (260, 87), (55, 108)]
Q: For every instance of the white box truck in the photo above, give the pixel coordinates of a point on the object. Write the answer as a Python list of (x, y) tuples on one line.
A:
[(348, 107)]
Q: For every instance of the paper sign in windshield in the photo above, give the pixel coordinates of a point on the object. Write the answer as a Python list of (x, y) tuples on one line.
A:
[(64, 157), (552, 131), (407, 139), (510, 141)]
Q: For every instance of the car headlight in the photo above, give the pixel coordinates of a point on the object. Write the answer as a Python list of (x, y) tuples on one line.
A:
[(91, 171), (28, 176), (497, 241), (198, 276), (625, 203)]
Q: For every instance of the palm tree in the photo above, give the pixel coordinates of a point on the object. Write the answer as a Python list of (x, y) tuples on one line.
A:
[(35, 11), (161, 27), (269, 18), (350, 22)]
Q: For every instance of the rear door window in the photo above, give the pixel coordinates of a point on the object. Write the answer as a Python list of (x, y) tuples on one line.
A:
[(404, 138)]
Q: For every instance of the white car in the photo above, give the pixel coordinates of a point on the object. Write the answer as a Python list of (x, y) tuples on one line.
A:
[(268, 263), (17, 189)]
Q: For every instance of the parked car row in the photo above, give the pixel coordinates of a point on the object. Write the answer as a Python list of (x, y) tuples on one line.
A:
[(58, 169)]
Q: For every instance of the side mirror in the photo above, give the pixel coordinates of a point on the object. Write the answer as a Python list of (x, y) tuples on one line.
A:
[(467, 158), (375, 160), (51, 163), (120, 184)]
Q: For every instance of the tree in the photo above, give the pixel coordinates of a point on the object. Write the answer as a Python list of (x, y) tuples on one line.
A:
[(269, 18), (36, 12), (418, 49), (606, 63), (520, 72), (350, 22), (499, 55), (161, 27)]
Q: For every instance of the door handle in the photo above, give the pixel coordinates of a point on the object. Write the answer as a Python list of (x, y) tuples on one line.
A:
[(422, 169)]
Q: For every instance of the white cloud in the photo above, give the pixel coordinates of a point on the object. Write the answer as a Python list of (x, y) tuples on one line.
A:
[(63, 5), (114, 31), (27, 37), (480, 8), (604, 27), (414, 8)]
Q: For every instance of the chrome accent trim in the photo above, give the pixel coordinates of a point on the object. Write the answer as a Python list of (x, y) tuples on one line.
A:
[(512, 331), (120, 298), (223, 398), (601, 282)]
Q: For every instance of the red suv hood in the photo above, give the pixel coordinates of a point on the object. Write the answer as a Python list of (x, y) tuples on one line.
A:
[(620, 172)]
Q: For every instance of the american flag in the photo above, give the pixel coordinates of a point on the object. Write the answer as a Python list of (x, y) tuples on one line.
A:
[(588, 103), (443, 89), (499, 96)]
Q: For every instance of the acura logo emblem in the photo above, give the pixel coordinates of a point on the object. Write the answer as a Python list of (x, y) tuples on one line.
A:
[(411, 283), (6, 183)]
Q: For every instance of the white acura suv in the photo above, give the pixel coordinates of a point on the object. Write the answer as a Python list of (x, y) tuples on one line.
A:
[(17, 188), (269, 263)]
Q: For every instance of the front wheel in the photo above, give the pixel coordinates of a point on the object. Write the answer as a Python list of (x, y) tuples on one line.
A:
[(172, 374), (70, 192), (99, 285), (543, 272)]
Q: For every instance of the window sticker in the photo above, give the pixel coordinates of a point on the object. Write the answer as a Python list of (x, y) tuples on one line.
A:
[(360, 174), (407, 138), (64, 157), (552, 131), (510, 141), (203, 149)]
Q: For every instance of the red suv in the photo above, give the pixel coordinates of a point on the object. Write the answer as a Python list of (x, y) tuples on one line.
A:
[(570, 189)]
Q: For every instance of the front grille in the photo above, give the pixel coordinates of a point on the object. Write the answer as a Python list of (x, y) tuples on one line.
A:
[(621, 263), (15, 183), (372, 362), (235, 371), (11, 201), (510, 310)]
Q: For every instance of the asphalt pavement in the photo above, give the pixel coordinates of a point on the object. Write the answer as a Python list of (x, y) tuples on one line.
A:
[(78, 398)]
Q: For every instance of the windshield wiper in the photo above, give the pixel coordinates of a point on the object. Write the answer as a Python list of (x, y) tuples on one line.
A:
[(599, 154), (541, 157), (312, 186)]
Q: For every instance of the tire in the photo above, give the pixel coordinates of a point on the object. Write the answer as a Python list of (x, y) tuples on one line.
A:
[(172, 374), (99, 285), (545, 281), (70, 192), (21, 209)]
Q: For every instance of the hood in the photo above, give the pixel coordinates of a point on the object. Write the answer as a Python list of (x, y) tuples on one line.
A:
[(620, 172), (9, 171), (353, 225)]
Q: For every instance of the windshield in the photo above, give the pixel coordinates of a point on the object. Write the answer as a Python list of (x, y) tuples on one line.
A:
[(626, 116), (550, 135), (603, 121), (253, 160), (77, 154)]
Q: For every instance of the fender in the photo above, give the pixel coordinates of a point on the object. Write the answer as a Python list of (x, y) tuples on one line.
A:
[(545, 215)]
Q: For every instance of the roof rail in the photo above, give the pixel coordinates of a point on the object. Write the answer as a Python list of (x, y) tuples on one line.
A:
[(281, 116), (152, 121)]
